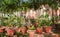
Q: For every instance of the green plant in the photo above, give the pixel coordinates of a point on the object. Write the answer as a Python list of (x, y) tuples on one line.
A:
[(55, 18), (44, 20), (32, 27), (10, 19), (9, 6), (22, 20)]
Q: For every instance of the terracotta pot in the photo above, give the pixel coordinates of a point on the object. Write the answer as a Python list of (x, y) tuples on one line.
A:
[(31, 33), (10, 32), (1, 30), (48, 29), (39, 30), (23, 30)]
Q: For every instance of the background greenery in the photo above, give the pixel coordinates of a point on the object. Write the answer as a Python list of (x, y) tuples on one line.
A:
[(10, 6), (15, 5)]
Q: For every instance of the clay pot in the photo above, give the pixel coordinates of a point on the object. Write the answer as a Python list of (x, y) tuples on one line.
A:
[(31, 33), (23, 30), (39, 30), (1, 30), (48, 29), (10, 32)]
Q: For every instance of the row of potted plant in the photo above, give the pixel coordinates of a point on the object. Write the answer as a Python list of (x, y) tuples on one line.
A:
[(11, 31), (14, 25)]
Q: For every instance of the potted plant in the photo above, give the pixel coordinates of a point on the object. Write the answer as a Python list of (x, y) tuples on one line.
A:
[(31, 31), (18, 31), (23, 30), (44, 22), (39, 27), (47, 26)]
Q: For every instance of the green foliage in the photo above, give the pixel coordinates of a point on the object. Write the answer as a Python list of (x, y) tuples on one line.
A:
[(32, 27), (26, 5), (10, 19), (22, 21), (10, 5), (15, 5), (53, 4), (44, 20)]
